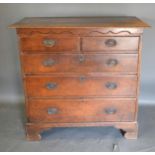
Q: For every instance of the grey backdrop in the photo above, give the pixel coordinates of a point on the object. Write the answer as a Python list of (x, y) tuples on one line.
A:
[(10, 80)]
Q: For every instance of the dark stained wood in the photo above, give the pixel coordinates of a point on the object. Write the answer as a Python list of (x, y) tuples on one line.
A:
[(101, 43), (48, 22), (82, 71), (61, 44), (81, 110), (37, 86), (79, 63)]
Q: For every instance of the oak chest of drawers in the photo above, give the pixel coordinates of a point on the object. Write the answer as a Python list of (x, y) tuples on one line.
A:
[(81, 71)]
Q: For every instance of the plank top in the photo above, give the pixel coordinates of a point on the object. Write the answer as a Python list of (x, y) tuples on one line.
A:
[(49, 22)]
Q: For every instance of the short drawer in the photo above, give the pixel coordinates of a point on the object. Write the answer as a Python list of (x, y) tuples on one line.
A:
[(79, 63), (49, 44), (48, 86), (110, 43), (81, 110)]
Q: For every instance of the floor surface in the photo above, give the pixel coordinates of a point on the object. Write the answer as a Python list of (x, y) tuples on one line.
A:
[(90, 139)]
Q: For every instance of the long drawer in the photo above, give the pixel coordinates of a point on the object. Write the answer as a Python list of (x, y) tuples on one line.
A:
[(78, 110), (79, 63), (48, 86)]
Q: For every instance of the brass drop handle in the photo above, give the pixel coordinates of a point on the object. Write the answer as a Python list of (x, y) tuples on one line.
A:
[(51, 85), (49, 42), (110, 42), (110, 110), (111, 85), (49, 62), (52, 111), (112, 62)]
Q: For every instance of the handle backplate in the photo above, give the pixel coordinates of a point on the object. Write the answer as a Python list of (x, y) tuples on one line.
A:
[(82, 78), (110, 42), (51, 111), (110, 110), (112, 62), (111, 85), (81, 58), (49, 42), (51, 85), (49, 62)]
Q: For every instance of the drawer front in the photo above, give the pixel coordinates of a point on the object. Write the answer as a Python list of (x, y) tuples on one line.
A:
[(76, 110), (79, 63), (110, 43), (46, 86), (49, 44)]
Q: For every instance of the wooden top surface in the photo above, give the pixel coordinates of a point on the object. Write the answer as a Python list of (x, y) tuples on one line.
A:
[(49, 22)]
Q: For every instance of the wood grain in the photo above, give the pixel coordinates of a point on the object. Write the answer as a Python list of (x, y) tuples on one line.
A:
[(81, 110), (79, 63), (36, 86), (61, 44), (99, 43), (80, 32), (48, 22)]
